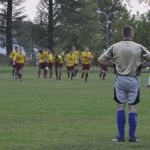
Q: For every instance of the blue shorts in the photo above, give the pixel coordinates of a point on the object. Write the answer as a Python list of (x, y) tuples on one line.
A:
[(126, 90)]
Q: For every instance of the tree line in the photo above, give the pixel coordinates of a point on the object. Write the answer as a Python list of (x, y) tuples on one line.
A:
[(61, 24)]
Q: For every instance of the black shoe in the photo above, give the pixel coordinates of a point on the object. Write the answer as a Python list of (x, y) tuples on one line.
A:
[(85, 79), (117, 139), (135, 139)]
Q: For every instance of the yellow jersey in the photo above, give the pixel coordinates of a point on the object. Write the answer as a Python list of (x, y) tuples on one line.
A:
[(59, 60), (42, 57), (77, 56), (20, 58), (86, 57), (70, 59), (50, 57)]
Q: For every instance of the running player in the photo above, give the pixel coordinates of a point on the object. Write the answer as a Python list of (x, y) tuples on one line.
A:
[(58, 66), (42, 60), (19, 60), (70, 63), (77, 56), (86, 59), (128, 57), (12, 56), (50, 63)]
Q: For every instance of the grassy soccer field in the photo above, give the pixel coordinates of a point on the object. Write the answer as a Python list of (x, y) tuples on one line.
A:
[(47, 114)]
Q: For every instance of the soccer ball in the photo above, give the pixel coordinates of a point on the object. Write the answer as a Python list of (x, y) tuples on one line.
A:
[(46, 68)]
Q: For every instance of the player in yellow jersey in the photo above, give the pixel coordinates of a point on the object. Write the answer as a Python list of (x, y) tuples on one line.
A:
[(58, 66), (86, 59), (77, 56), (50, 63), (11, 57), (42, 60), (70, 63), (19, 60)]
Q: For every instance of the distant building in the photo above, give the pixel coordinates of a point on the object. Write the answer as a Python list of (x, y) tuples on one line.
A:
[(2, 51), (2, 40)]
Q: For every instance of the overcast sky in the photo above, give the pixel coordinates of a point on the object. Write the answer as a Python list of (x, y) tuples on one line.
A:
[(30, 8)]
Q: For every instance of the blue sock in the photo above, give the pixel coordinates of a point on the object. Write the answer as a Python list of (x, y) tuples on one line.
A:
[(121, 120), (132, 124)]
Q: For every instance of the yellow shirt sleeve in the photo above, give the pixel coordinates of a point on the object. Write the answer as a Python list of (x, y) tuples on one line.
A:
[(42, 57), (12, 55)]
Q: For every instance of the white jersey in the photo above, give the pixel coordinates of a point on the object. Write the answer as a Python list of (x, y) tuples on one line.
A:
[(127, 57)]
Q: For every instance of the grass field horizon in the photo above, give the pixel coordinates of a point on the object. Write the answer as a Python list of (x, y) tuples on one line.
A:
[(48, 114)]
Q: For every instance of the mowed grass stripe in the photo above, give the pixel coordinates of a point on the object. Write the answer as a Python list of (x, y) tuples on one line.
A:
[(47, 114)]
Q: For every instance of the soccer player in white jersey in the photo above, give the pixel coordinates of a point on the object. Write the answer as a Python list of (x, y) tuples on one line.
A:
[(127, 57)]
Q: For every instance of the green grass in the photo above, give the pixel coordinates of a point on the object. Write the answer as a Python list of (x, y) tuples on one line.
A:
[(47, 114)]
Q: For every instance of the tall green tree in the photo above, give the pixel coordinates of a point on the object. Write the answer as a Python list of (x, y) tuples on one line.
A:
[(142, 30), (9, 27), (3, 13), (50, 25), (44, 21), (76, 23), (25, 34), (42, 25), (72, 20), (12, 12)]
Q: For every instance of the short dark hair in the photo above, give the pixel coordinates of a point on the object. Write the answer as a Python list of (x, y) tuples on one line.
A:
[(16, 47), (56, 56), (127, 31), (40, 51)]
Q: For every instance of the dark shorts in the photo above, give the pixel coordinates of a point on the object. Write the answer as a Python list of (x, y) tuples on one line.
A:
[(50, 65), (85, 67), (76, 65), (42, 65), (12, 64), (103, 67), (69, 68), (57, 65), (19, 66)]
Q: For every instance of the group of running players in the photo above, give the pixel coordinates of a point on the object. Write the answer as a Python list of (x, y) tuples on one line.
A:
[(46, 62)]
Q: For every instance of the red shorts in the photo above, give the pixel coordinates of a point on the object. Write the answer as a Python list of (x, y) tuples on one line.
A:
[(75, 65), (85, 66), (103, 67), (70, 68), (57, 65), (19, 66), (50, 65), (42, 65)]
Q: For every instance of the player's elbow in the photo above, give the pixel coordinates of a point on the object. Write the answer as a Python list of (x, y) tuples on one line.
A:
[(100, 60)]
